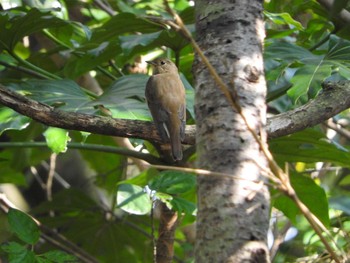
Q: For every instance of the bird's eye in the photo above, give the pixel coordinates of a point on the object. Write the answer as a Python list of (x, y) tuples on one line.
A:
[(162, 62)]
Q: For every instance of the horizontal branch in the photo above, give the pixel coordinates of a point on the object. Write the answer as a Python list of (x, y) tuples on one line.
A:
[(334, 98)]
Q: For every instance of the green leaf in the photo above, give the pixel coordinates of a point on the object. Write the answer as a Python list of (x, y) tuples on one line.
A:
[(94, 55), (8, 175), (23, 226), (309, 78), (123, 23), (63, 93), (72, 35), (308, 192), (287, 52), (283, 19), (183, 206), (143, 178), (131, 42), (308, 146), (57, 139), (11, 120), (125, 98), (17, 24), (173, 182), (57, 256), (310, 69), (132, 199), (18, 253)]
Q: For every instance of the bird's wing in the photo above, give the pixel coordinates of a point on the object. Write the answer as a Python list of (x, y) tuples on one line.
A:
[(159, 113)]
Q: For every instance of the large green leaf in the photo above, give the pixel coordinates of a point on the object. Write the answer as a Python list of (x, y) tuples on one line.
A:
[(11, 120), (15, 24), (63, 93), (308, 146), (123, 23), (125, 98), (173, 182), (311, 194), (132, 42), (23, 226), (311, 70), (92, 56), (132, 199)]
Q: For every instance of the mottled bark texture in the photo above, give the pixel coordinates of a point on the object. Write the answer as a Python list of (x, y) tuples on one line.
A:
[(233, 215)]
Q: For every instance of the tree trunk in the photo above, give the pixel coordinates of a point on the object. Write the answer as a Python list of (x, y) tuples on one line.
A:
[(233, 214)]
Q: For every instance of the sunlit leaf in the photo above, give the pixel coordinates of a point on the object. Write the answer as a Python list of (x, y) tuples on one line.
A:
[(283, 19), (132, 199), (11, 120), (173, 182), (57, 139)]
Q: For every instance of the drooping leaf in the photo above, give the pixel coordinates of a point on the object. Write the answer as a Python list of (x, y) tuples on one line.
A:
[(311, 194), (283, 19), (132, 199), (92, 56), (63, 93), (123, 23), (173, 182), (23, 226), (11, 120), (17, 24), (308, 146), (131, 42)]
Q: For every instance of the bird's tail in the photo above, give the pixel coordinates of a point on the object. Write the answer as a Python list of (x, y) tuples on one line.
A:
[(176, 147), (175, 140)]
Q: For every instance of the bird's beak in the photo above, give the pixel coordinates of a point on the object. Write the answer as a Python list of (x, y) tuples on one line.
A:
[(151, 63)]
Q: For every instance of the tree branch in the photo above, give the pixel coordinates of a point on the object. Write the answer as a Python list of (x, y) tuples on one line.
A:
[(334, 99)]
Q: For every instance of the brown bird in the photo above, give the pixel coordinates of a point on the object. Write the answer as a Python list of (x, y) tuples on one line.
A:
[(165, 96)]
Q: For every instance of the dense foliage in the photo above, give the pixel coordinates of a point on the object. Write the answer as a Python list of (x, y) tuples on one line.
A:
[(85, 56)]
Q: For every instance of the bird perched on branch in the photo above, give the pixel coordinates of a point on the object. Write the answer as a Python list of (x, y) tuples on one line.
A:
[(165, 96)]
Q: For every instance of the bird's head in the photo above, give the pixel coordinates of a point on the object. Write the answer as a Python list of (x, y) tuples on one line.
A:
[(163, 65)]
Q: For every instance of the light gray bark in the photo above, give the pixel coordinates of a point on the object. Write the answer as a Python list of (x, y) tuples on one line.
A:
[(233, 215)]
